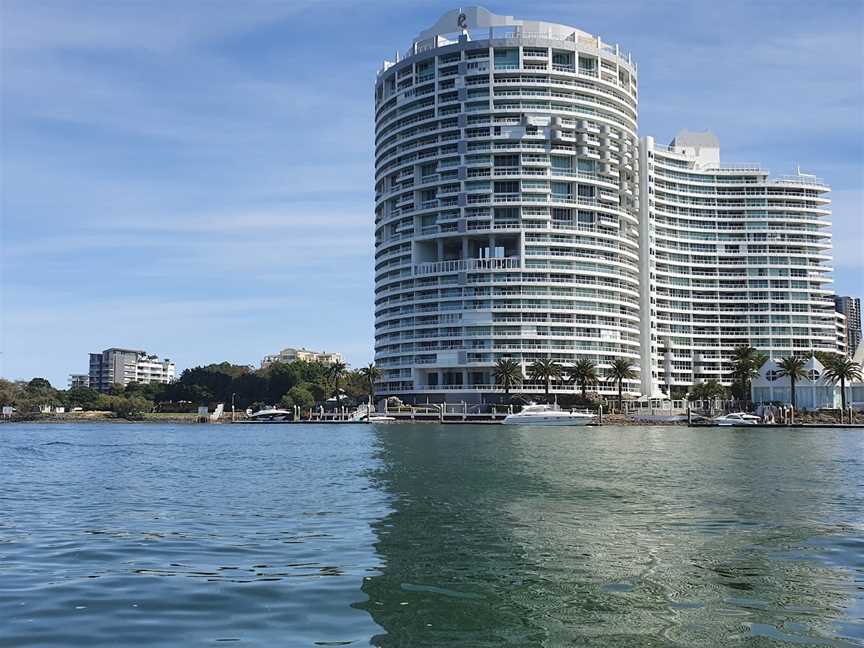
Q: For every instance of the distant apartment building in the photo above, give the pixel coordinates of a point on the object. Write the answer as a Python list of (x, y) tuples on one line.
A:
[(850, 307), (841, 333), (290, 355), (77, 381), (124, 366)]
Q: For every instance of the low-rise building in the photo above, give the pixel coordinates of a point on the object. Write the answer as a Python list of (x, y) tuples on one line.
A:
[(76, 381), (811, 392), (290, 355), (117, 366)]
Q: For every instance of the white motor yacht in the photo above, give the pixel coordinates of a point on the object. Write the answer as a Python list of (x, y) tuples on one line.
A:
[(736, 418), (548, 415), (272, 415)]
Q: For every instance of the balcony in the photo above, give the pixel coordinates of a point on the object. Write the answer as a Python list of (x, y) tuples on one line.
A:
[(467, 265)]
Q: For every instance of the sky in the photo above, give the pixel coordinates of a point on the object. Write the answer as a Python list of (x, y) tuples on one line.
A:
[(195, 179)]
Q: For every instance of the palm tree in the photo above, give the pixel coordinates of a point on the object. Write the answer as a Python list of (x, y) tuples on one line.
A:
[(370, 374), (620, 370), (335, 372), (840, 369), (793, 368), (584, 373), (707, 391), (507, 372), (545, 369), (747, 362)]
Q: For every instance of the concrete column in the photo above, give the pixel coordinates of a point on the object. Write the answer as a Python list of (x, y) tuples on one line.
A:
[(464, 248), (440, 246)]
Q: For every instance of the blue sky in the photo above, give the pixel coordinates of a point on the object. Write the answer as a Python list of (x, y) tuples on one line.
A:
[(194, 178)]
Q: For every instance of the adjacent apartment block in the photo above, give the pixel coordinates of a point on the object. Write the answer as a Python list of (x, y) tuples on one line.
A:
[(123, 366), (518, 215), (731, 256), (290, 355), (850, 308)]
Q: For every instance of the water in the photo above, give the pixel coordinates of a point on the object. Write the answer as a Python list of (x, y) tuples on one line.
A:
[(161, 535)]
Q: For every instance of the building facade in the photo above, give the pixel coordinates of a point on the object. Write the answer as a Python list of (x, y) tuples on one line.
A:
[(850, 308), (506, 213), (77, 381), (518, 215), (116, 366), (731, 257), (290, 355)]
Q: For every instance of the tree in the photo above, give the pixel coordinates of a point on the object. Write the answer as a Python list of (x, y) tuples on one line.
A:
[(11, 393), (841, 369), (792, 368), (620, 370), (584, 373), (371, 374), (747, 362), (38, 384), (83, 397), (546, 370), (280, 377), (335, 372), (707, 391), (507, 372), (298, 396)]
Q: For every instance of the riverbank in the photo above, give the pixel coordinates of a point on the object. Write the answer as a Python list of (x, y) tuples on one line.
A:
[(821, 419)]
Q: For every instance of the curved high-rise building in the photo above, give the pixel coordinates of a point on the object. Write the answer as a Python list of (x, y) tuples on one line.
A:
[(506, 204), (730, 257)]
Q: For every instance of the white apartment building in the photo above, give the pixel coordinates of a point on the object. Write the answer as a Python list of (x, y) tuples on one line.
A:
[(291, 354), (517, 215), (731, 256), (124, 366), (506, 204)]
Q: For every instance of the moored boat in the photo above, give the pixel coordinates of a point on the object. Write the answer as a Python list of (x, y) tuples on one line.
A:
[(735, 418), (272, 415), (534, 414)]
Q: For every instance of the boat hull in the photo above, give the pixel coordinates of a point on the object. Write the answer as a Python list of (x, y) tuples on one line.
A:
[(548, 421)]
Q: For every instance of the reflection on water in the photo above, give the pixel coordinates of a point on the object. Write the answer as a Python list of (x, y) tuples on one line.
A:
[(619, 537), (423, 536)]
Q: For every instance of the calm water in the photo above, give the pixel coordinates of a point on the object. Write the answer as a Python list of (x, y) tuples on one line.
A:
[(417, 536)]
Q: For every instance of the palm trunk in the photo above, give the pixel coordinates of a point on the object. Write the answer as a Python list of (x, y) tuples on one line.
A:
[(547, 388), (842, 396), (792, 384), (620, 396), (584, 389)]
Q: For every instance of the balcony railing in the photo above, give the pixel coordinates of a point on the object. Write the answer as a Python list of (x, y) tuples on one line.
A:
[(467, 265)]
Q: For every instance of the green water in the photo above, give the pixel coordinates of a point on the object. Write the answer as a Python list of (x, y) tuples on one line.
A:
[(399, 535)]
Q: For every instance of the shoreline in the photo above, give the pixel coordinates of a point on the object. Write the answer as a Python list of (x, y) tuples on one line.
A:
[(805, 421)]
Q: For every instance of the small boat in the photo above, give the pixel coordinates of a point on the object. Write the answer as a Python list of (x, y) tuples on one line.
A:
[(272, 415), (380, 418), (735, 418), (534, 414)]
